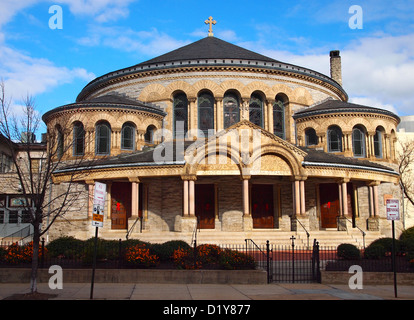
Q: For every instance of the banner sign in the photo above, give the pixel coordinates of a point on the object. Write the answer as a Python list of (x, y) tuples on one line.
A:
[(98, 204)]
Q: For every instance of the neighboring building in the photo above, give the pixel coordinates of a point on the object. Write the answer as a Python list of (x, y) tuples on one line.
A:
[(14, 218), (406, 134), (250, 146)]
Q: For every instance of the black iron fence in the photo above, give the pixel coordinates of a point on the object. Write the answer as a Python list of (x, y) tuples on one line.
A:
[(289, 263)]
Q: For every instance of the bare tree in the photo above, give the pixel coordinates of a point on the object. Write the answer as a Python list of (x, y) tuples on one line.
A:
[(34, 167), (406, 168)]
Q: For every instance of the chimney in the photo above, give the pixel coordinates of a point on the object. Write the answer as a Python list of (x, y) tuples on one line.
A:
[(336, 69)]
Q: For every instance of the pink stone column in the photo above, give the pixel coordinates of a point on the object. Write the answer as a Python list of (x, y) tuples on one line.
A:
[(344, 200), (135, 199), (191, 198), (185, 198), (302, 197), (376, 208), (246, 197), (296, 197)]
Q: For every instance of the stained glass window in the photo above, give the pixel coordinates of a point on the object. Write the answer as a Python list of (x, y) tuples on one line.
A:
[(231, 109)]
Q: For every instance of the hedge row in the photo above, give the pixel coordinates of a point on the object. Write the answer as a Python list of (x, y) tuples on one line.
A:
[(133, 253)]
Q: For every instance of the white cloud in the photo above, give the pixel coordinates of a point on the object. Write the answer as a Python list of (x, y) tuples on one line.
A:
[(376, 71), (149, 43), (24, 75)]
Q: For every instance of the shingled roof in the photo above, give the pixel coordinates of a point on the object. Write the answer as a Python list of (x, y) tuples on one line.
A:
[(111, 100), (209, 48), (337, 106)]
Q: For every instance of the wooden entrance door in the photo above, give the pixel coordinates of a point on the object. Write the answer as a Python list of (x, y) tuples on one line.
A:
[(262, 206), (205, 205), (120, 204), (329, 201)]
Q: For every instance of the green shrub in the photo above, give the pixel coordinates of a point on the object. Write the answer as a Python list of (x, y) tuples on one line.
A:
[(348, 251), (375, 251), (407, 242), (165, 250), (387, 244), (65, 247), (232, 260)]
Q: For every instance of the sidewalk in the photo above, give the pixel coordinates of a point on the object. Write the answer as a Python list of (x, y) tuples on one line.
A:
[(281, 291)]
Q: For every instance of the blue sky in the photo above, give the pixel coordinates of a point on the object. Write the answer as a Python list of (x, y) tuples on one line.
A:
[(99, 36)]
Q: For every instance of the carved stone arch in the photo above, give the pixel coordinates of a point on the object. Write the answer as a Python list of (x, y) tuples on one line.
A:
[(283, 88), (207, 85), (180, 86), (233, 85), (127, 117), (153, 92), (293, 160), (359, 121), (104, 116), (258, 86), (203, 152), (334, 121)]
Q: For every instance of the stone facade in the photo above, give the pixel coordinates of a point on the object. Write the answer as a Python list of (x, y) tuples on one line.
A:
[(255, 178)]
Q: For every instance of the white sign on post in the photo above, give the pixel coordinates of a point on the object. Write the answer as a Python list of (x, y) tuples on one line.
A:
[(393, 209), (98, 204)]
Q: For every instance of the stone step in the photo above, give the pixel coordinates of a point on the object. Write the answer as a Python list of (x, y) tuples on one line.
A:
[(331, 238)]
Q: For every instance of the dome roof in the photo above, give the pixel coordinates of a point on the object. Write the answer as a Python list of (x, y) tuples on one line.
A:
[(111, 100), (209, 48), (209, 52), (337, 106)]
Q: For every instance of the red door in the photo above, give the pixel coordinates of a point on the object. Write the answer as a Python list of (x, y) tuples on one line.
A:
[(205, 205), (120, 204), (329, 200), (262, 206)]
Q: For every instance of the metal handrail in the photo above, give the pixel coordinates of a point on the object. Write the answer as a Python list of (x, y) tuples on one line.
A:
[(133, 225), (307, 233), (355, 226)]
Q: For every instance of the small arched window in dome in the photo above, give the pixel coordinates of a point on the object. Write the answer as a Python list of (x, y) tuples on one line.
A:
[(180, 113), (78, 139), (149, 134), (206, 112), (103, 139), (311, 139), (231, 110), (128, 136), (378, 143), (279, 119), (256, 110), (358, 142), (334, 139)]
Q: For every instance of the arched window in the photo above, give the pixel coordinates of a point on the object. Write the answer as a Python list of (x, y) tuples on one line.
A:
[(334, 139), (103, 139), (358, 141), (205, 112), (378, 143), (180, 112), (231, 109), (78, 139), (128, 136), (311, 139), (59, 142), (149, 134), (256, 110), (279, 119)]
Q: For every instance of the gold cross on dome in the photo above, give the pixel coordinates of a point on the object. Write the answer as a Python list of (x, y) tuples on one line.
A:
[(210, 21)]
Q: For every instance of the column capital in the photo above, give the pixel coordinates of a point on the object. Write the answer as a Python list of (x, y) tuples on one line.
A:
[(373, 183), (189, 177), (134, 179)]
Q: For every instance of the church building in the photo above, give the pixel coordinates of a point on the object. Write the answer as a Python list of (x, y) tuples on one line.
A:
[(220, 142)]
